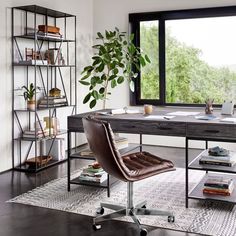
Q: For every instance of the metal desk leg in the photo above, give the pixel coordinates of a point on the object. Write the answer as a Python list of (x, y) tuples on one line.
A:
[(206, 148), (68, 159), (186, 172), (141, 142)]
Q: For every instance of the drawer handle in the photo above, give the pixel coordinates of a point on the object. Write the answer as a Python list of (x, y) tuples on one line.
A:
[(130, 126), (211, 131), (163, 128)]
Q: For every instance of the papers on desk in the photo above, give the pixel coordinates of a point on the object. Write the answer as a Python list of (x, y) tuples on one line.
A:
[(229, 120), (183, 113), (124, 111), (156, 117)]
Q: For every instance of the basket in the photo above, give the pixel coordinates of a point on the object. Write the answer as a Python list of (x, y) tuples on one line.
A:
[(38, 161)]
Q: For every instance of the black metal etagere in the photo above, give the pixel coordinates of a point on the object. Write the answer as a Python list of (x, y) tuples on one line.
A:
[(46, 76)]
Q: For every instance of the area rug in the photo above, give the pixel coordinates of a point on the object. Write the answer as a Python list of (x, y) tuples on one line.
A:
[(165, 191)]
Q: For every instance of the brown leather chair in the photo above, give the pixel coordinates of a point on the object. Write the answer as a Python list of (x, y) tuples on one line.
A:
[(128, 168)]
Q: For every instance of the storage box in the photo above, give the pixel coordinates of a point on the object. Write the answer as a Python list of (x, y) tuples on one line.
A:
[(58, 149)]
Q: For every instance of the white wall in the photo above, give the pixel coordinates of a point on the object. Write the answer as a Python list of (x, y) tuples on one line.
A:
[(111, 13), (83, 9)]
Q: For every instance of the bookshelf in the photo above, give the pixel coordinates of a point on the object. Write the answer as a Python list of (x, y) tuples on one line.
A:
[(46, 75)]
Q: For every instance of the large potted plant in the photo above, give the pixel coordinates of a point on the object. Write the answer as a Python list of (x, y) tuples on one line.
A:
[(29, 95), (116, 58)]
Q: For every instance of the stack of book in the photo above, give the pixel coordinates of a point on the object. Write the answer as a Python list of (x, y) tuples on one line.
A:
[(121, 143), (51, 101), (93, 173), (38, 134), (223, 158), (218, 185)]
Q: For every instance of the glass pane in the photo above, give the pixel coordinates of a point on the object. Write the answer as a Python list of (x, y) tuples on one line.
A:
[(200, 60), (150, 73)]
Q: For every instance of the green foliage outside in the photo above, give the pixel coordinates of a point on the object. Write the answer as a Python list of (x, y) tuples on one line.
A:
[(188, 78)]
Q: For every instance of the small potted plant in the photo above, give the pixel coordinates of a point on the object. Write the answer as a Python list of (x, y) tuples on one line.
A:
[(29, 95)]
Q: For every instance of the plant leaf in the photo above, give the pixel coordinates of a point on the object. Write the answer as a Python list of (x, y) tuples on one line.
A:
[(100, 35), (86, 76), (84, 82), (147, 59), (92, 104), (113, 83), (95, 94), (87, 97), (131, 85), (120, 80), (102, 90)]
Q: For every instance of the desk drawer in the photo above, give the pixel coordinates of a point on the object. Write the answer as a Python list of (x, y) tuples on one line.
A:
[(149, 127), (211, 131)]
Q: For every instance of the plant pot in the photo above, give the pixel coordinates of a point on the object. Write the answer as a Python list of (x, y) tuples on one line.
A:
[(31, 104)]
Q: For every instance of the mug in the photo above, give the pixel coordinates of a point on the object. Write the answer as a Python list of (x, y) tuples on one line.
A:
[(147, 109)]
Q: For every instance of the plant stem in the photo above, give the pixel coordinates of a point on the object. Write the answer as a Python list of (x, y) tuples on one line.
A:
[(106, 88)]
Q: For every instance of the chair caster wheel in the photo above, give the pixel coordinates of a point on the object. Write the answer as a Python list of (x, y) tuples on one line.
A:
[(100, 211), (96, 227), (143, 232), (171, 219)]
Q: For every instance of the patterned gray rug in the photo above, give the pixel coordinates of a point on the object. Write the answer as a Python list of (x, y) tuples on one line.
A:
[(165, 191)]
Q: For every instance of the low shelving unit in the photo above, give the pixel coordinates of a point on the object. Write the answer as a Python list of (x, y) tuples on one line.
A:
[(75, 154), (210, 170)]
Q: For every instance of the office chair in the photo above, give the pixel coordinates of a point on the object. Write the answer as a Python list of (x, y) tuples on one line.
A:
[(129, 168)]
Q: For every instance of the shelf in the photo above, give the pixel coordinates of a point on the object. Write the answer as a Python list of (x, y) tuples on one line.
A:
[(43, 11), (18, 64), (104, 184), (61, 132), (76, 151), (194, 165), (41, 109), (196, 192), (44, 38), (26, 168)]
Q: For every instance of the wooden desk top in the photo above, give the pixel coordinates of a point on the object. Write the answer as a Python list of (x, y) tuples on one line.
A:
[(183, 126)]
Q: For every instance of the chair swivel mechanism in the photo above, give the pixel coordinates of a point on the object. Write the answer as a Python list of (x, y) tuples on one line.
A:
[(129, 168)]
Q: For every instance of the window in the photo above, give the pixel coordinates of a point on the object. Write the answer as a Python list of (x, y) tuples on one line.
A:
[(150, 73), (193, 54)]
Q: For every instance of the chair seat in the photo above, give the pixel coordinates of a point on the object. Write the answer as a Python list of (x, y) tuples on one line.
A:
[(141, 165)]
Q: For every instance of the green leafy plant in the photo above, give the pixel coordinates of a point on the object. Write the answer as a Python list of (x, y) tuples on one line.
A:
[(29, 92), (116, 58)]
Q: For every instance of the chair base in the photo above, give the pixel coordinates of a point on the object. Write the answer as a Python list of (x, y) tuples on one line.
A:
[(120, 211), (129, 210)]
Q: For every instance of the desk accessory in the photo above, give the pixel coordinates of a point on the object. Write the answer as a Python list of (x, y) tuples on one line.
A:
[(209, 106), (227, 108)]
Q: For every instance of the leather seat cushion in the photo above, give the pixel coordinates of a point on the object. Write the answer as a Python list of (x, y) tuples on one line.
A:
[(141, 165)]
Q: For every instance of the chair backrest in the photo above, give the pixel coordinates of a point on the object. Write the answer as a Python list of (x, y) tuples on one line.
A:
[(101, 141)]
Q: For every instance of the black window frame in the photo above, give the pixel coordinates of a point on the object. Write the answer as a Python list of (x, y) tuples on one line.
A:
[(162, 16)]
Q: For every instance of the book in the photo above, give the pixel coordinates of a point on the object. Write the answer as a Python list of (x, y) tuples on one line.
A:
[(219, 189), (220, 163), (94, 178), (53, 105), (205, 117), (52, 101), (228, 160), (124, 111), (213, 192), (229, 120), (34, 62), (218, 181)]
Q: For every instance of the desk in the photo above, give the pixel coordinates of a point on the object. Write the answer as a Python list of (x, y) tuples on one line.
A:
[(180, 126)]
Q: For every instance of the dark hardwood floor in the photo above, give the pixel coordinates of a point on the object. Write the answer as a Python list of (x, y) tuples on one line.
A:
[(23, 220)]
